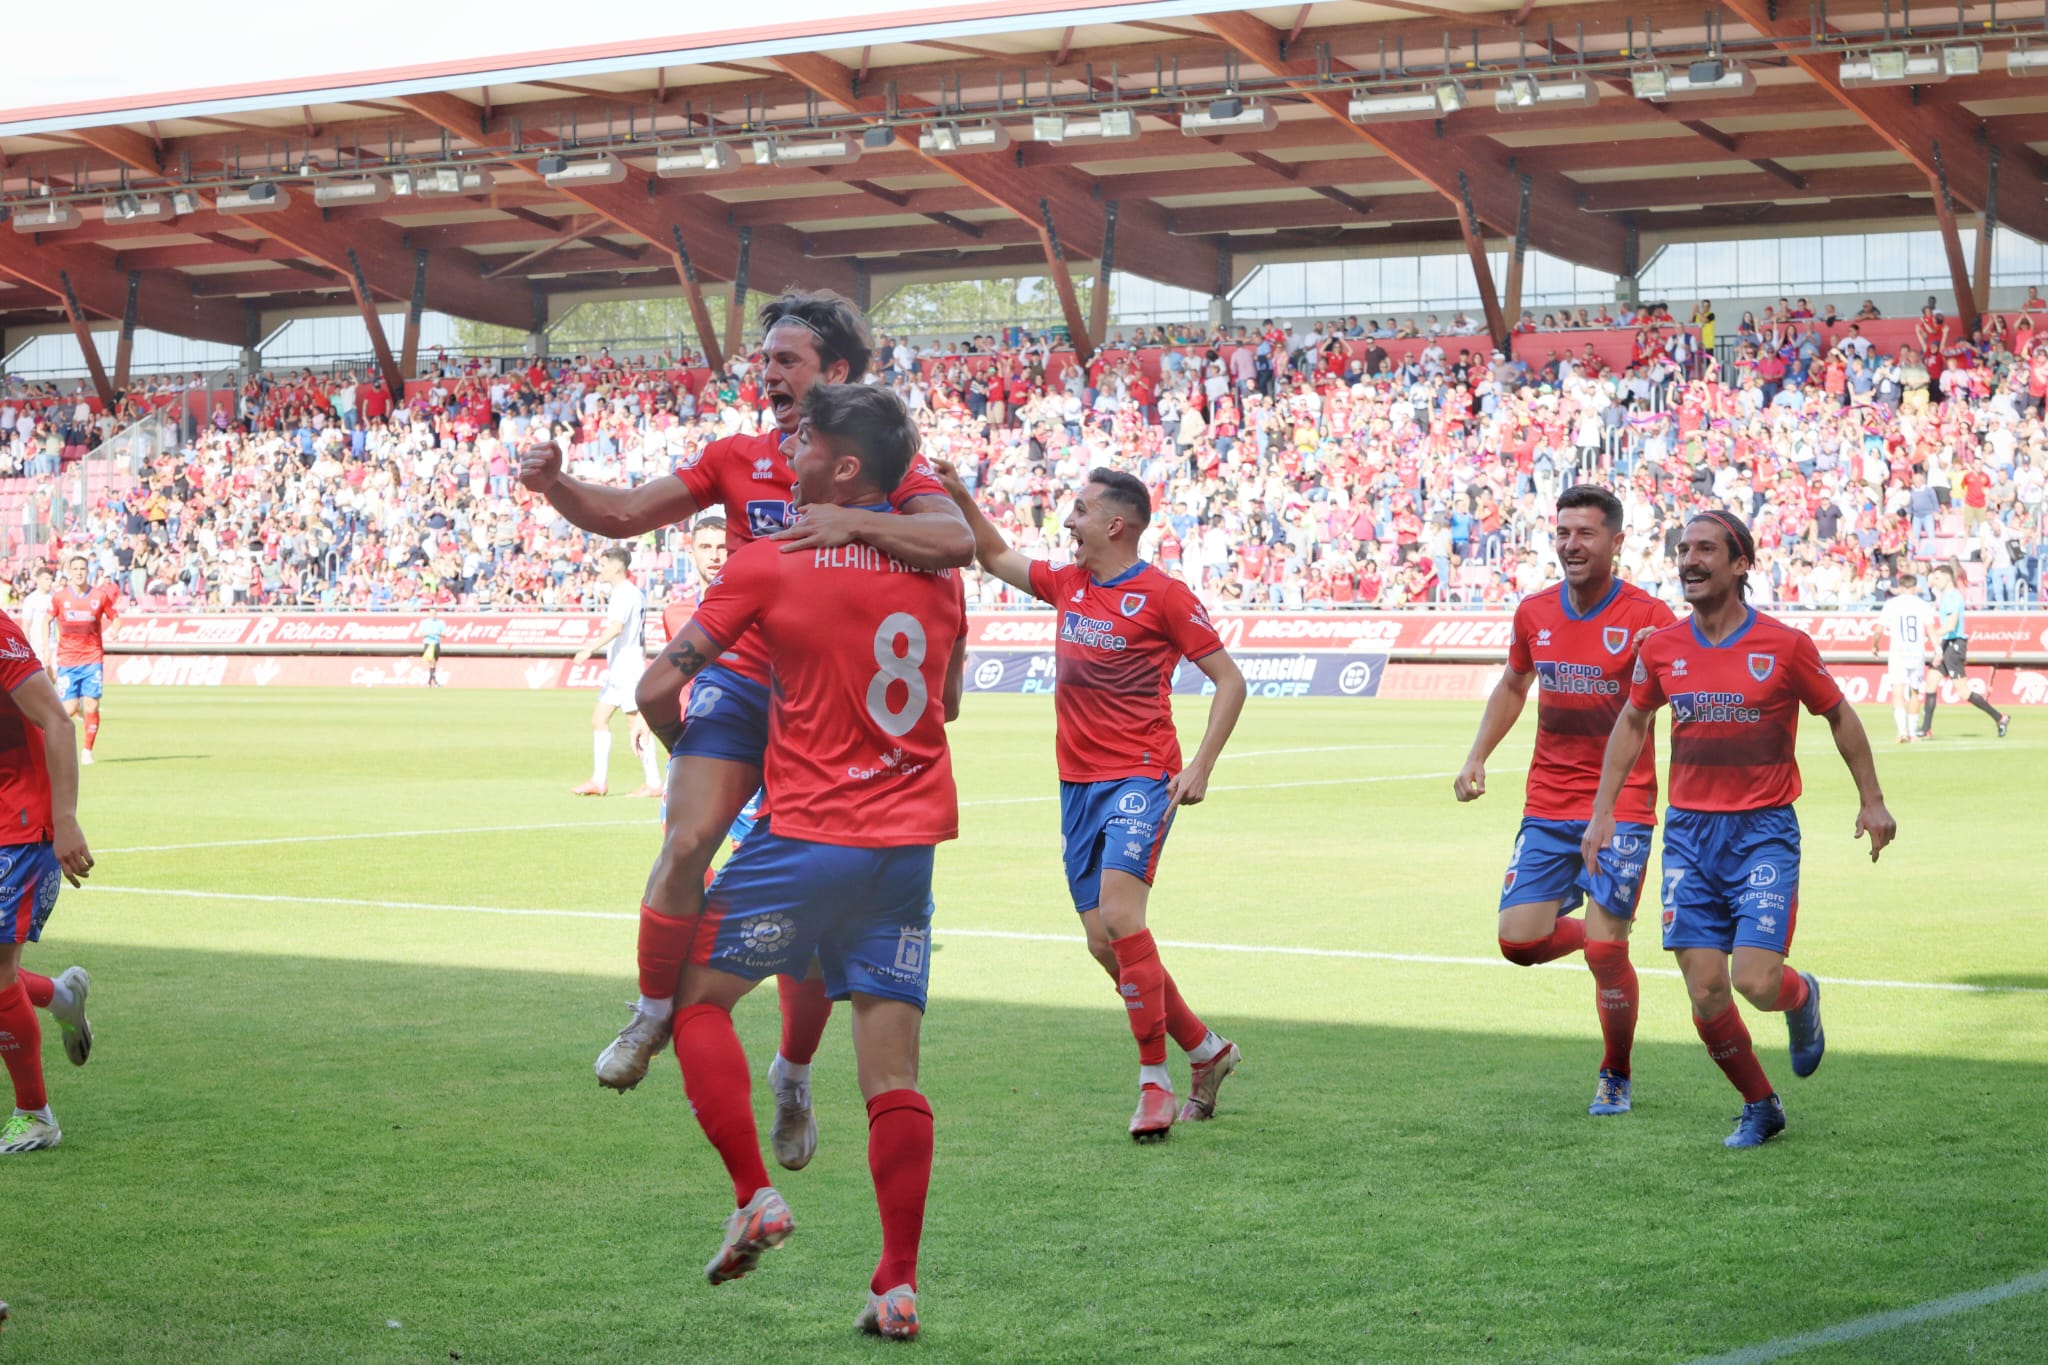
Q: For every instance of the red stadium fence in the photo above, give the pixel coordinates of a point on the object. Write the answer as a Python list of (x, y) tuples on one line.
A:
[(1440, 655)]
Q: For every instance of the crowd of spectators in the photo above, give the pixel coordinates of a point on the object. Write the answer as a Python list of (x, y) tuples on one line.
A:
[(1294, 467)]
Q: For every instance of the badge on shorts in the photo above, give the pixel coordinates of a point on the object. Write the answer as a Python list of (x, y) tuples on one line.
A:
[(1133, 603), (1615, 638), (1760, 666), (1131, 803)]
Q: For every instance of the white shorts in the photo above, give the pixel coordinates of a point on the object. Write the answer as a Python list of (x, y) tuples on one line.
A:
[(618, 691), (1907, 677)]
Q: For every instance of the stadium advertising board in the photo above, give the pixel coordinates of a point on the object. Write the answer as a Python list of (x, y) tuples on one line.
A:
[(2011, 637)]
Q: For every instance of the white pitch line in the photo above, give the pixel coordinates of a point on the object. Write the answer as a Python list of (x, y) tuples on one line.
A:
[(1858, 1328), (947, 931), (606, 824)]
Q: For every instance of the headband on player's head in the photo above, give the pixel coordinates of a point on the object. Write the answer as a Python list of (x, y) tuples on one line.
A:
[(795, 321), (1745, 544)]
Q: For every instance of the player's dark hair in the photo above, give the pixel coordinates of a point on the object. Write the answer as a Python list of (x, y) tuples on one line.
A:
[(1592, 495), (710, 521), (1907, 580), (620, 554), (838, 328), (870, 422), (77, 559), (1741, 544), (1128, 492)]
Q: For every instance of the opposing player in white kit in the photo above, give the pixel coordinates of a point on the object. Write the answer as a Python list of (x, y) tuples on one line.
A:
[(39, 615), (1905, 636), (624, 642)]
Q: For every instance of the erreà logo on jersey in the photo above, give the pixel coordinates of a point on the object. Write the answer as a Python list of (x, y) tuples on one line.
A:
[(764, 468)]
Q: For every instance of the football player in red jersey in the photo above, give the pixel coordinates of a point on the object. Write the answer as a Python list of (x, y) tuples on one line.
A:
[(809, 337), (1576, 642), (39, 779), (1124, 628), (867, 652), (1736, 680), (82, 614)]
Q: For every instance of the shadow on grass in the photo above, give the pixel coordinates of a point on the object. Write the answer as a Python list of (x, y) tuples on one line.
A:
[(2031, 981), (156, 758), (277, 1158)]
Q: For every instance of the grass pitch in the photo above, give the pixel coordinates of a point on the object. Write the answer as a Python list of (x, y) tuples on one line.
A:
[(341, 1106)]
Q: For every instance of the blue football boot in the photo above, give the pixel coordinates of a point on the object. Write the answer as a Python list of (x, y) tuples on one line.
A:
[(1611, 1096), (1757, 1123), (1808, 1042)]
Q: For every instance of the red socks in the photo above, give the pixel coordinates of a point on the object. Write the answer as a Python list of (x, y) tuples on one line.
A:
[(715, 1078), (92, 727), (41, 990), (1568, 937), (1141, 980), (1727, 1040), (1182, 1025), (1792, 992), (806, 1009), (21, 1047), (664, 945), (900, 1160), (1615, 977)]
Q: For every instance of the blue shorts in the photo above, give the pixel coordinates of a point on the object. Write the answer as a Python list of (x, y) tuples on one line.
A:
[(1120, 824), (1731, 879), (748, 818), (866, 913), (79, 680), (727, 717), (1547, 866), (29, 882)]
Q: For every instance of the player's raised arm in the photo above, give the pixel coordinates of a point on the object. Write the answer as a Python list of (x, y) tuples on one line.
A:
[(1191, 783), (990, 548), (36, 699), (1624, 743), (620, 513), (1852, 742), (929, 533), (1503, 708)]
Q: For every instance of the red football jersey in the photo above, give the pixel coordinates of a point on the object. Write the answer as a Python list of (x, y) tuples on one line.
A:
[(859, 644), (1582, 666), (750, 477), (24, 772), (1734, 710), (80, 618), (1119, 644)]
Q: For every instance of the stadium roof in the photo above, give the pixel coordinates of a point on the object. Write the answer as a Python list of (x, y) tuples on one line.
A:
[(1276, 132)]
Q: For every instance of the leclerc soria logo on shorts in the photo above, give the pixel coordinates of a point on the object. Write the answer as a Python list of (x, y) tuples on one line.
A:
[(1131, 803)]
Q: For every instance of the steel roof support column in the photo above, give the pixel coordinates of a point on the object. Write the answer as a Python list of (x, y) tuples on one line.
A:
[(81, 328), (1482, 269), (387, 363)]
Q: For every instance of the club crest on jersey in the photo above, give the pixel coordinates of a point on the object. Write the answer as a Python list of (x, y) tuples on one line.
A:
[(1761, 665), (1615, 638), (1133, 603)]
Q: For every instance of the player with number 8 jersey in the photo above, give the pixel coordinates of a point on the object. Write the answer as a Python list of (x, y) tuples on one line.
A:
[(865, 653)]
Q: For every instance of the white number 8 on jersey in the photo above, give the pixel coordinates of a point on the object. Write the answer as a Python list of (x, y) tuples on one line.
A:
[(901, 668)]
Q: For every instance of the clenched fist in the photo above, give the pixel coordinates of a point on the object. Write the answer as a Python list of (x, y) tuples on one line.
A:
[(540, 466)]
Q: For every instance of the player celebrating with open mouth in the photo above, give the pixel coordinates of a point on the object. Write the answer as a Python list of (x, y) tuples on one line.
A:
[(1124, 628), (1735, 680), (809, 337), (1577, 641)]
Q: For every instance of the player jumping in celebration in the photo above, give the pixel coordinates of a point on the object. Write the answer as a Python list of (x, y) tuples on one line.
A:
[(867, 654), (1905, 630), (625, 656), (1735, 679), (1124, 628), (82, 614), (708, 554), (1577, 643), (38, 778), (1955, 655), (815, 337)]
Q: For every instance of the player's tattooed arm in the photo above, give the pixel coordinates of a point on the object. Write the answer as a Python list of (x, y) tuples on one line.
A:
[(660, 693)]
